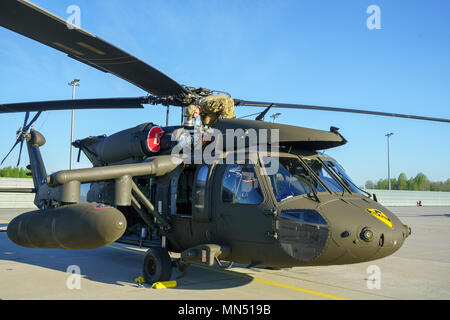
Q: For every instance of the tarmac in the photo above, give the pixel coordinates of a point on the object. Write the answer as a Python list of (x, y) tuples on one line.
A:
[(418, 271)]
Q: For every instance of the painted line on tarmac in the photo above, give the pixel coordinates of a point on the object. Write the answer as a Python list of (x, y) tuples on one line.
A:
[(2, 229), (245, 276)]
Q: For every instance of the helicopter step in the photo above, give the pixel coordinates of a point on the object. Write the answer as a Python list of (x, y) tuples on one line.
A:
[(158, 265), (138, 241), (205, 254)]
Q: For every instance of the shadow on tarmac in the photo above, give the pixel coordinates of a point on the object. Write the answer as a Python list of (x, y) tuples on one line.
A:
[(109, 265)]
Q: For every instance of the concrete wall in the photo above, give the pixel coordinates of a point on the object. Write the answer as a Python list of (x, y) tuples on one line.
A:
[(16, 200), (410, 198)]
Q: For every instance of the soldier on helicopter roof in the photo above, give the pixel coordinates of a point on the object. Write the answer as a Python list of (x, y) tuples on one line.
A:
[(211, 108)]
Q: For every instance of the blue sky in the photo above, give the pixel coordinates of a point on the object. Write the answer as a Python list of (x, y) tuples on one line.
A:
[(310, 52)]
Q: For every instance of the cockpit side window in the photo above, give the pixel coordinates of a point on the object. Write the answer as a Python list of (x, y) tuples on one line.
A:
[(340, 172), (292, 179), (241, 185), (324, 175)]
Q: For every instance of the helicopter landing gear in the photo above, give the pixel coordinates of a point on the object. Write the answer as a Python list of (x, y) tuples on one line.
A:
[(222, 265), (157, 265)]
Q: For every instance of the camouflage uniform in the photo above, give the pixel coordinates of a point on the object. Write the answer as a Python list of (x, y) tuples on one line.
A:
[(211, 108)]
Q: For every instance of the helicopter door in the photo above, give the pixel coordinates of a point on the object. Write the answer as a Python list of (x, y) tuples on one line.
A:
[(181, 192), (188, 205), (240, 202), (200, 212)]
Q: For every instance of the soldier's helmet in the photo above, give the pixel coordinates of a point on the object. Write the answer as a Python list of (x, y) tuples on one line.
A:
[(192, 112)]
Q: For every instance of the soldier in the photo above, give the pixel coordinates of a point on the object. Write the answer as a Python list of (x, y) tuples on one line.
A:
[(211, 108)]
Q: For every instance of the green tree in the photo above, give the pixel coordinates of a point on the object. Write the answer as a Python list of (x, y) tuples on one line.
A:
[(10, 172), (370, 185), (394, 184), (423, 184), (402, 182), (418, 183), (382, 184)]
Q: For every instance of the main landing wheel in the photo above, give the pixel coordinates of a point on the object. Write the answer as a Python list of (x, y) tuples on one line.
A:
[(157, 265)]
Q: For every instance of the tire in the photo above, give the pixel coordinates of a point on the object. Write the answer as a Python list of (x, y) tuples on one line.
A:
[(157, 265)]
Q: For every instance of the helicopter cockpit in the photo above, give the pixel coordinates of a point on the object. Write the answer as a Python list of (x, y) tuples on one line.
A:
[(291, 179), (298, 175), (333, 174), (339, 172)]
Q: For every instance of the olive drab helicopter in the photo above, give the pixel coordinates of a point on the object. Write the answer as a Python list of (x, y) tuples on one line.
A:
[(284, 205)]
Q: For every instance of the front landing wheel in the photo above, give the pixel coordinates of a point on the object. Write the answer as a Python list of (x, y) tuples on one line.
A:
[(157, 265)]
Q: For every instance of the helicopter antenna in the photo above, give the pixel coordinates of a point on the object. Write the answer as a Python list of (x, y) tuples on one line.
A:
[(263, 114), (250, 115), (275, 116)]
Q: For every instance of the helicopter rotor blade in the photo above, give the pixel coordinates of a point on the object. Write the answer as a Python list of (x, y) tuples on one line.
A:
[(20, 134), (20, 152), (28, 126), (19, 139), (31, 21), (245, 103), (80, 104), (27, 116), (17, 142)]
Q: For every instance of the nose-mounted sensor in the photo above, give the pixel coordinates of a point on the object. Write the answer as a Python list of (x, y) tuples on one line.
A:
[(366, 234)]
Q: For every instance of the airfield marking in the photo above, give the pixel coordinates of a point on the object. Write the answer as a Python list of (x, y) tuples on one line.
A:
[(245, 276)]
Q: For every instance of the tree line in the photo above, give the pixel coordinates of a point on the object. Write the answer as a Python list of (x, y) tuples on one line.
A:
[(418, 183), (14, 172)]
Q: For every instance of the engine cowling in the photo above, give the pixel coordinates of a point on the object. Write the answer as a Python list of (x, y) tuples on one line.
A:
[(144, 140)]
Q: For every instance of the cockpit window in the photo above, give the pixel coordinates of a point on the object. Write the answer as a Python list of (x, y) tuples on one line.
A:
[(339, 171), (240, 185), (324, 175), (292, 179)]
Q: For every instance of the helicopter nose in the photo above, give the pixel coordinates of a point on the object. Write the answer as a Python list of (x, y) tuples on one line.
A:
[(390, 241), (362, 231)]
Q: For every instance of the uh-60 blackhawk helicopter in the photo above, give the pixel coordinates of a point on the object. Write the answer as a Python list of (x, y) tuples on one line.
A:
[(284, 205)]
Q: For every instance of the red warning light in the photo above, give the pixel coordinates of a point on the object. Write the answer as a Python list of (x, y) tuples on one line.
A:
[(153, 139)]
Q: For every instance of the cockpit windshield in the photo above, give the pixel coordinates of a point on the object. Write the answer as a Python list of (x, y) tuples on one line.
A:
[(340, 172), (291, 178)]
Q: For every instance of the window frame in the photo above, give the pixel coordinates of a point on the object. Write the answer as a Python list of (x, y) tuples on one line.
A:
[(327, 169), (305, 166), (204, 215), (255, 166), (341, 180)]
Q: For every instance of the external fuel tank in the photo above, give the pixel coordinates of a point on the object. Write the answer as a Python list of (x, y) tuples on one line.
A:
[(78, 226)]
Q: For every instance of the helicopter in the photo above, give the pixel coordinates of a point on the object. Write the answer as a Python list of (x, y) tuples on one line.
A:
[(264, 197)]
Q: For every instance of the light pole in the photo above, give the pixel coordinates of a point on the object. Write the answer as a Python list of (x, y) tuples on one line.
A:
[(389, 161), (73, 84)]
